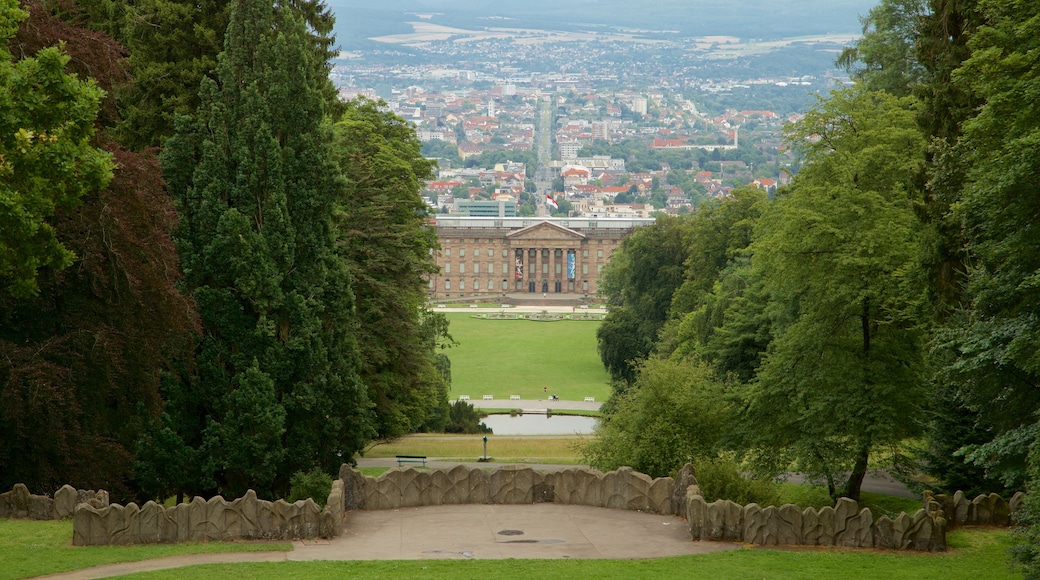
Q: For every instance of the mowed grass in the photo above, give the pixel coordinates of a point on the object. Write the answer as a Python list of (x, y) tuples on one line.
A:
[(975, 554), (524, 357), (558, 449), (33, 548)]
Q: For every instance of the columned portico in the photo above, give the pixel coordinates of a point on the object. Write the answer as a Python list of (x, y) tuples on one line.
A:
[(537, 257)]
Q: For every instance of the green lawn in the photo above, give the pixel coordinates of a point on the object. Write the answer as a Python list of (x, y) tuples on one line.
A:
[(976, 555), (30, 548), (524, 357)]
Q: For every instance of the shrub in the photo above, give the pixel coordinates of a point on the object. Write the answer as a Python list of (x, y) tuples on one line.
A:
[(315, 484), (720, 478), (464, 418)]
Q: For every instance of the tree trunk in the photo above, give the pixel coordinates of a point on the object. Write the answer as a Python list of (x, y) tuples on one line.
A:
[(855, 483)]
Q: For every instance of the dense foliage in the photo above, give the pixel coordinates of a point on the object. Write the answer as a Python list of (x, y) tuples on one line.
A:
[(886, 300), (82, 355)]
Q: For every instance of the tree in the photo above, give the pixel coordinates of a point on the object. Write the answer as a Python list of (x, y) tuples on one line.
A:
[(885, 58), (82, 358), (638, 285), (383, 236), (994, 349), (173, 44), (47, 160), (845, 375), (675, 413), (256, 187)]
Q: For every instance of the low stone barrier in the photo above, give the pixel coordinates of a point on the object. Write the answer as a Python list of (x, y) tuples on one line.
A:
[(845, 524), (407, 487), (984, 510), (200, 521), (20, 504)]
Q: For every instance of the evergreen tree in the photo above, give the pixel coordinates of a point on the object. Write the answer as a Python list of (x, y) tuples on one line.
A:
[(276, 389), (384, 237)]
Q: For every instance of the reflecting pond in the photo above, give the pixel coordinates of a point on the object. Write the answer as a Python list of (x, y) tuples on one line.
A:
[(531, 424)]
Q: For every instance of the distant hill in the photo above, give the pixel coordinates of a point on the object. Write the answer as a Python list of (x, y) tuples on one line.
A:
[(359, 20)]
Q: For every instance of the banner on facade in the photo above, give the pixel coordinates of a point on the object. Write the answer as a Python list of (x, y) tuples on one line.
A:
[(519, 271), (570, 265)]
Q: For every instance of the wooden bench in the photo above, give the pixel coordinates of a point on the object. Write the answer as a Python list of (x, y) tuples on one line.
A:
[(489, 397), (590, 399), (514, 397), (463, 397), (401, 459)]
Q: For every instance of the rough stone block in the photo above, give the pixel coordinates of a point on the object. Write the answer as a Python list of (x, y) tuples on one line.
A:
[(1001, 511), (697, 516), (354, 488), (982, 510), (1016, 503), (684, 479), (961, 509), (725, 521), (789, 525), (756, 525), (512, 485), (810, 527), (65, 502), (41, 507), (15, 504), (826, 526), (661, 495), (857, 531)]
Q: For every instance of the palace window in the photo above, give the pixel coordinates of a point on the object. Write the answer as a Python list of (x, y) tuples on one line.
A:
[(462, 268), (599, 253), (462, 253), (447, 268), (585, 269), (447, 284), (447, 252), (476, 268)]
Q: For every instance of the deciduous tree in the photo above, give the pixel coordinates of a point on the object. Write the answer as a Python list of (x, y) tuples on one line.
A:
[(845, 376)]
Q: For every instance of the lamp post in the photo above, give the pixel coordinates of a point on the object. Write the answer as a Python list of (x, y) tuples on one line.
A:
[(485, 448)]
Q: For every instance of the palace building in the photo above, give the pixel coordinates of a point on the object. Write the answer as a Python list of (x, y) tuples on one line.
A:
[(525, 256)]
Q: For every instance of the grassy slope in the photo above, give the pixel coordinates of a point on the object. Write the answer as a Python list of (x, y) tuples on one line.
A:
[(30, 548), (977, 554), (504, 448), (520, 357)]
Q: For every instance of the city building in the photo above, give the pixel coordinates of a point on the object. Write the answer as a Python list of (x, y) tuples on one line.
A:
[(525, 256)]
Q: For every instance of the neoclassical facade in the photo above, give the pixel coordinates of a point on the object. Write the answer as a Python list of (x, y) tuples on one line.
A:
[(525, 255)]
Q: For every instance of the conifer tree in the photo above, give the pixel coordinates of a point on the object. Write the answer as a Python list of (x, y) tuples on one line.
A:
[(276, 388), (384, 237)]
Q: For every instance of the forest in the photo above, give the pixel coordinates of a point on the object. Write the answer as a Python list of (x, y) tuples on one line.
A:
[(879, 312), (212, 270)]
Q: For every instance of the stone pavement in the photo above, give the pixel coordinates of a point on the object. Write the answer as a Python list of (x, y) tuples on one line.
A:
[(487, 532)]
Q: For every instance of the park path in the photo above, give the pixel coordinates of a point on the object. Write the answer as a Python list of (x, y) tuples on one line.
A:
[(463, 532)]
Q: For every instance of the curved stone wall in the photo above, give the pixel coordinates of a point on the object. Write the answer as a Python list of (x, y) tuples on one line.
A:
[(845, 524), (407, 487), (984, 510), (200, 521), (20, 504)]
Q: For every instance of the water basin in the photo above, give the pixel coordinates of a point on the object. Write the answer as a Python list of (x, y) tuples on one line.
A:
[(530, 424)]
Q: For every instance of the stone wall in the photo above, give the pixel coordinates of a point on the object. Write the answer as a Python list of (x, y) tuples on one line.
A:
[(984, 510), (845, 524), (20, 504), (200, 521), (407, 487)]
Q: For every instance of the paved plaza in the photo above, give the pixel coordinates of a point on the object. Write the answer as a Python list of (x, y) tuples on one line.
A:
[(462, 532)]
